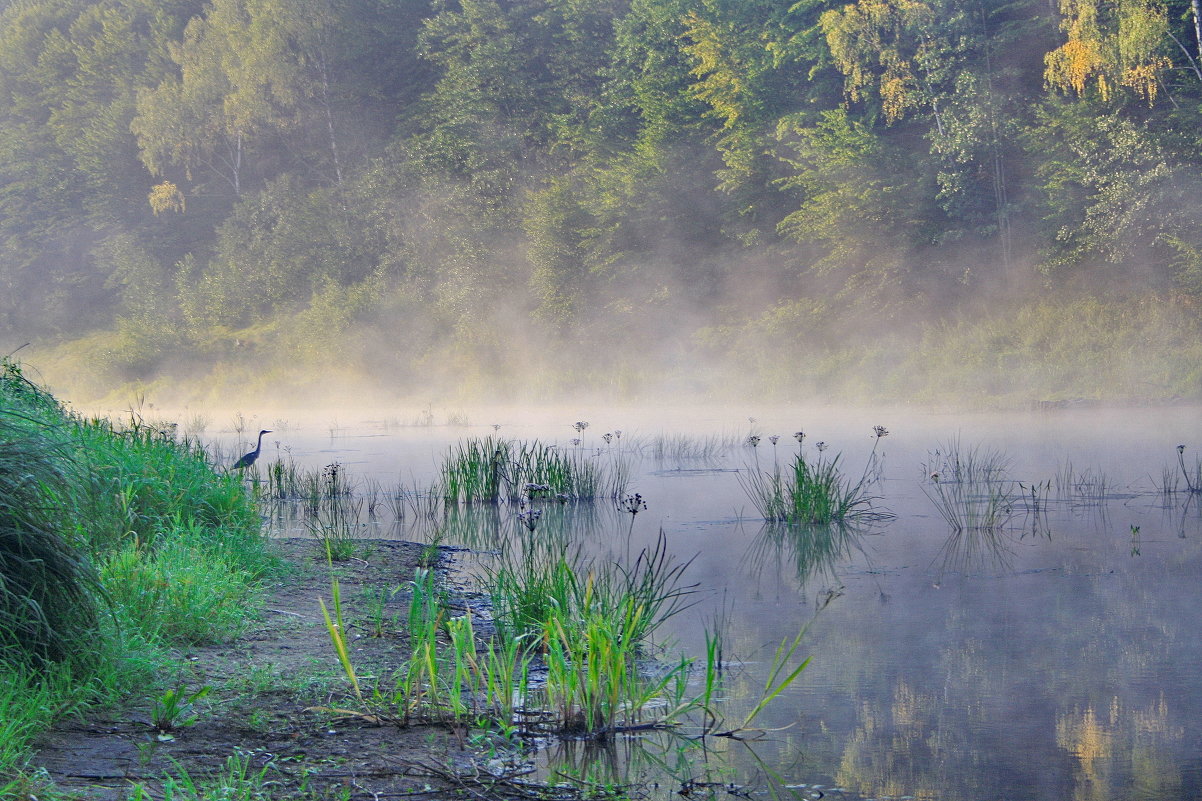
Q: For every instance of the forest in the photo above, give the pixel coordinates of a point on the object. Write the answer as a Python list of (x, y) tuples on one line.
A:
[(908, 200)]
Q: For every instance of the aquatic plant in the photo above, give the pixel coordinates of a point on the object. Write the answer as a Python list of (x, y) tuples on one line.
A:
[(808, 492), (538, 578), (585, 622), (1193, 479), (529, 518), (493, 470), (952, 462), (972, 507), (337, 528), (969, 487), (1086, 486), (594, 686), (685, 447)]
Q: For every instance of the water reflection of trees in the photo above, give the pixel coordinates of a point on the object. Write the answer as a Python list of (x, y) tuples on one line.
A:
[(1124, 746)]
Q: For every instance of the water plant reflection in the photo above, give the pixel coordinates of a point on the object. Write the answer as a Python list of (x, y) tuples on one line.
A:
[(812, 551)]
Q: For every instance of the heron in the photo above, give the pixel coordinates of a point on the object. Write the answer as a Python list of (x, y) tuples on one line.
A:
[(249, 459)]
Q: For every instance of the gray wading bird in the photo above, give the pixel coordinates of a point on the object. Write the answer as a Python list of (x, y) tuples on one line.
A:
[(249, 459)]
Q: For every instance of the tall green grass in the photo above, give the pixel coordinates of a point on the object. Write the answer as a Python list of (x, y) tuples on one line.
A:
[(137, 481), (187, 590), (586, 623), (811, 492), (491, 470), (118, 542), (47, 585), (536, 580)]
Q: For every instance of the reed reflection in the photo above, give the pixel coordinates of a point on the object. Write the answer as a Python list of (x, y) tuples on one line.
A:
[(812, 552)]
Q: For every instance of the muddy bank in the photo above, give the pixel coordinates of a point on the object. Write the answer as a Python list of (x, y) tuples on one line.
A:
[(272, 702)]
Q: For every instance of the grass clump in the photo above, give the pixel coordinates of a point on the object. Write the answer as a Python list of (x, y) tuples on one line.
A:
[(184, 591), (810, 491), (492, 470), (47, 586), (584, 624), (536, 580)]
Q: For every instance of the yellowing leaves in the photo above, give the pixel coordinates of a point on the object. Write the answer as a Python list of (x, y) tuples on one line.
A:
[(1072, 65), (1119, 44), (885, 38), (166, 197)]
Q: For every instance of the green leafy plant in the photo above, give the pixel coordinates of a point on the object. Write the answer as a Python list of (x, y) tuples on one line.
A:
[(176, 709)]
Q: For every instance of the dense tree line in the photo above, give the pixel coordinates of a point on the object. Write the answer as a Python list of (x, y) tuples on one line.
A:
[(472, 187)]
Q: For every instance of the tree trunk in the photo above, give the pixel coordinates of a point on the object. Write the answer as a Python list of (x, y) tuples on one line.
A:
[(1194, 6), (325, 101)]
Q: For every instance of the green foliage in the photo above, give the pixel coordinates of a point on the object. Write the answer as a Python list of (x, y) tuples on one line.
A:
[(185, 590), (812, 492), (537, 580), (441, 188), (590, 631), (139, 483), (175, 708), (29, 702)]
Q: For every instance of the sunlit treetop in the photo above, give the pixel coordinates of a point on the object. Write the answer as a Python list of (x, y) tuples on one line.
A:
[(1119, 44), (881, 43)]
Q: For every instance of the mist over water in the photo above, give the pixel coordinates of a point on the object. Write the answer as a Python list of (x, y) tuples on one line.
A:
[(1050, 658), (376, 228)]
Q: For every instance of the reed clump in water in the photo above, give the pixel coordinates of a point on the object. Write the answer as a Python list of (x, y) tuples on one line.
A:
[(538, 578), (493, 470), (584, 624), (683, 447), (811, 490), (969, 487)]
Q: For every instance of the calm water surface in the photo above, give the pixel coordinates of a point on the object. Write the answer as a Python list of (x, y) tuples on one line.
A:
[(1057, 659)]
